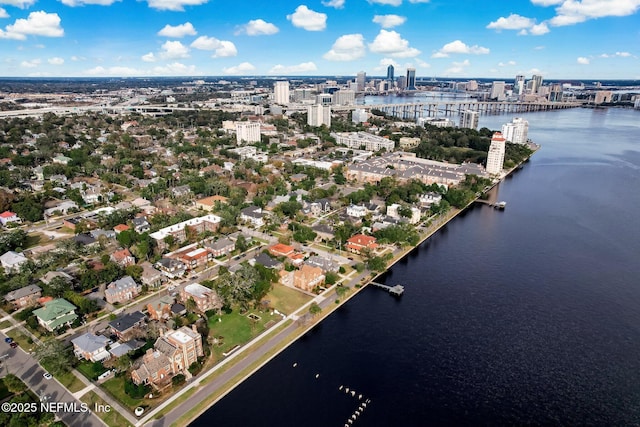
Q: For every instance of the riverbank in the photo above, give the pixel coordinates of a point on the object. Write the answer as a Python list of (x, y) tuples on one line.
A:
[(269, 347)]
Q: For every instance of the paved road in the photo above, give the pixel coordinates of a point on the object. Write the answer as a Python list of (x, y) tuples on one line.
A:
[(28, 370)]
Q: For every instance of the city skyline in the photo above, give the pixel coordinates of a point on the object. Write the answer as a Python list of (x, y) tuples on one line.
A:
[(559, 39)]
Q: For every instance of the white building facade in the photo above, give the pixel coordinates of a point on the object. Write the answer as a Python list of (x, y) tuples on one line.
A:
[(495, 158), (516, 132), (318, 115), (247, 132), (281, 93)]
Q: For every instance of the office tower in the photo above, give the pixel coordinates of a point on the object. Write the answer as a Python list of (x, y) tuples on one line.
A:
[(555, 92), (402, 82), (324, 99), (497, 90), (536, 83), (318, 115), (411, 79), (281, 93), (516, 131), (469, 119), (344, 97), (361, 79), (247, 132), (495, 158), (390, 71), (302, 94), (472, 85), (518, 85)]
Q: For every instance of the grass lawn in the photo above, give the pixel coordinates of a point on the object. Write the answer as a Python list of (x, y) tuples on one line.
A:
[(68, 379), (286, 300), (112, 418), (5, 324), (23, 340), (36, 239), (91, 370), (115, 387), (237, 329)]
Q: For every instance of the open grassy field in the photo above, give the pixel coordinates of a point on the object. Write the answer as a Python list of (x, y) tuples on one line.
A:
[(286, 300)]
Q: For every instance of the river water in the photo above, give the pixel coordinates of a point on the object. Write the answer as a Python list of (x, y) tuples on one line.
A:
[(527, 316)]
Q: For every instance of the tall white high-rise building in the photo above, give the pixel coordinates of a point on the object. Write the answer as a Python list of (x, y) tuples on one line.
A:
[(361, 79), (469, 119), (495, 158), (247, 132), (516, 132), (318, 115), (281, 93), (344, 97), (497, 90), (518, 85)]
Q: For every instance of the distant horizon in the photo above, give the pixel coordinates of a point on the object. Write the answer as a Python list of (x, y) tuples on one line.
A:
[(156, 38)]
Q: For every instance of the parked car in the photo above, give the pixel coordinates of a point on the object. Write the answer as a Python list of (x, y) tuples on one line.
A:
[(8, 340), (13, 344), (47, 376)]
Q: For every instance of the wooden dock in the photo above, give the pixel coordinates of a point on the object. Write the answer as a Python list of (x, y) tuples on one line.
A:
[(396, 290)]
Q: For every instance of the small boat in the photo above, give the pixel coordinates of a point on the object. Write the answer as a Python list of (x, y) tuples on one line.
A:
[(317, 375), (346, 390), (295, 364), (360, 397), (341, 387), (353, 393)]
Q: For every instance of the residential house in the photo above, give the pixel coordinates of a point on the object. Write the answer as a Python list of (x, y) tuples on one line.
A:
[(122, 290), (326, 264), (55, 314), (124, 326), (120, 228), (171, 268), (50, 275), (323, 232), (162, 309), (8, 217), (357, 211), (428, 199), (61, 208), (23, 297), (221, 246), (89, 346), (267, 261), (151, 277), (208, 203), (359, 242), (84, 239), (62, 160), (180, 191), (12, 261), (253, 215), (92, 194), (140, 224), (206, 299), (123, 258), (280, 249), (172, 354), (308, 277), (196, 258)]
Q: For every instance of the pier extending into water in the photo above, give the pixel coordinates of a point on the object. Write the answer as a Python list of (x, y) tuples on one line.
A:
[(396, 290)]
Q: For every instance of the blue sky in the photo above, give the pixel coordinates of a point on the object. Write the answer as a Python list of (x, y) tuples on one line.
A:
[(560, 39)]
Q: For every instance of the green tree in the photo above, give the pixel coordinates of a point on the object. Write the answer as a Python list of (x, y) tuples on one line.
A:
[(14, 384), (314, 309), (55, 356)]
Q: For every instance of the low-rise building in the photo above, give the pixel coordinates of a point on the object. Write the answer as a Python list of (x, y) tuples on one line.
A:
[(359, 242), (8, 217), (208, 203), (24, 297), (55, 314), (205, 299), (91, 347), (221, 246), (253, 215), (308, 277), (280, 249), (151, 277), (124, 326), (123, 258), (179, 231), (122, 290), (12, 261)]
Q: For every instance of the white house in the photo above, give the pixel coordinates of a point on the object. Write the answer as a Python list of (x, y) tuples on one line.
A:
[(7, 217), (12, 261), (356, 211)]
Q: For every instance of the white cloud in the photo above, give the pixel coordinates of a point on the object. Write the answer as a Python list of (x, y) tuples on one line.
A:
[(303, 17), (389, 21), (539, 48), (221, 48), (33, 63), (174, 49), (421, 63), (539, 29), (512, 22), (338, 4), (37, 24), (387, 2), (113, 71), (74, 3), (346, 48), (305, 67), (174, 5), (175, 68), (149, 57), (582, 60), (22, 4), (392, 44), (55, 60), (178, 31), (3, 13), (243, 68), (570, 12), (505, 64), (257, 27), (617, 54), (458, 67), (458, 46)]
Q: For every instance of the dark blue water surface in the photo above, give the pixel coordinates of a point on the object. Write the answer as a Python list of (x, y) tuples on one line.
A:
[(530, 316)]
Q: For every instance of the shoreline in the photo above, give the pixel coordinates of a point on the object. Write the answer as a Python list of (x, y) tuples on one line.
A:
[(331, 308)]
